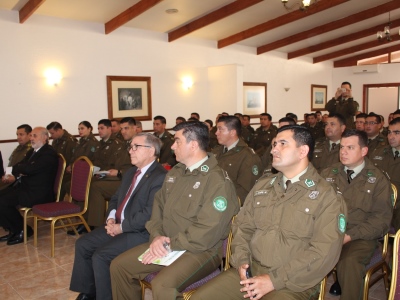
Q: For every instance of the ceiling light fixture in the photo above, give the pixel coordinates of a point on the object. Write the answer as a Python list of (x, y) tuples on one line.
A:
[(385, 34), (303, 5), (171, 11)]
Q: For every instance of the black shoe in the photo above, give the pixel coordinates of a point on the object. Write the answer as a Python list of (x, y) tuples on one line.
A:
[(335, 289), (83, 296), (19, 237), (6, 237), (81, 229)]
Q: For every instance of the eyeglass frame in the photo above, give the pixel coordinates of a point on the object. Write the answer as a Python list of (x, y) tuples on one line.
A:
[(134, 147)]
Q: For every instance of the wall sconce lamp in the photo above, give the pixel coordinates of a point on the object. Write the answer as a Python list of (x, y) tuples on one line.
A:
[(187, 82), (53, 76)]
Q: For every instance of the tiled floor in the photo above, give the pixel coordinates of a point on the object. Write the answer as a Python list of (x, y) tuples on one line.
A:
[(30, 273)]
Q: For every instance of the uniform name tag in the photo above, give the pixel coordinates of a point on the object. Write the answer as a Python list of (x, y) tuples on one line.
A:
[(171, 179), (317, 150), (260, 192), (378, 158)]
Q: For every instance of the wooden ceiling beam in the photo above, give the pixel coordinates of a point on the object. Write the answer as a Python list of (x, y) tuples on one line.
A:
[(279, 21), (341, 40), (210, 18), (354, 49), (355, 18), (352, 61), (129, 14), (28, 9)]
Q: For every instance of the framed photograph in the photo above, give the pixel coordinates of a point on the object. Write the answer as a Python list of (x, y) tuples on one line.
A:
[(254, 98), (129, 96), (318, 97)]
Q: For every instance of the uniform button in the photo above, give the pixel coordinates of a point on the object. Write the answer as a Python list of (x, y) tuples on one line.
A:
[(368, 191), (307, 209), (190, 195), (258, 203)]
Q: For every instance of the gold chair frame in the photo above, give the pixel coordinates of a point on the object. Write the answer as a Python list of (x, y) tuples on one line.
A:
[(395, 266), (27, 210), (225, 266), (381, 265), (67, 217)]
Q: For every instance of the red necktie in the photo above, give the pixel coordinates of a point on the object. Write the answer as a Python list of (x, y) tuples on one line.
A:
[(127, 196)]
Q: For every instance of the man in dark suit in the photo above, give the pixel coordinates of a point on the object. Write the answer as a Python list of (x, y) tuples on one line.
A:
[(33, 179), (129, 209)]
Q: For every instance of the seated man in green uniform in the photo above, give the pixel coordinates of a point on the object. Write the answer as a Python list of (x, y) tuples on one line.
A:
[(288, 234), (367, 193), (326, 151), (24, 145), (376, 140), (191, 212), (389, 161), (63, 142), (263, 135), (235, 157)]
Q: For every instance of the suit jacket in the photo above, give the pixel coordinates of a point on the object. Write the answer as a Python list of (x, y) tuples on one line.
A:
[(38, 173), (138, 210)]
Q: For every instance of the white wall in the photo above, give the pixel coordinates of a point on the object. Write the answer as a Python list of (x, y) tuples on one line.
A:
[(85, 56)]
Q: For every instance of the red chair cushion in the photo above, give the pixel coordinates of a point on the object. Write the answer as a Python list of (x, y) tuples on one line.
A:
[(54, 209)]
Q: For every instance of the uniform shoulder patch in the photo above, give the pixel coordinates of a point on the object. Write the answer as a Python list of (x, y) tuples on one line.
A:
[(93, 149), (309, 182), (254, 169), (220, 203), (204, 168), (342, 223)]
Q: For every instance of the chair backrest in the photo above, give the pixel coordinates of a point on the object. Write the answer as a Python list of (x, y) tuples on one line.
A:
[(82, 172), (59, 176), (394, 195), (394, 293)]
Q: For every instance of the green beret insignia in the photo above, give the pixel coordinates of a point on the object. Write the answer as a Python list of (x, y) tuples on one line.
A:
[(309, 182), (255, 170), (342, 223), (220, 203), (204, 168)]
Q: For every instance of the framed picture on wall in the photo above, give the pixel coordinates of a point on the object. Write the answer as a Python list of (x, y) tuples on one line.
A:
[(129, 96), (254, 98), (318, 97)]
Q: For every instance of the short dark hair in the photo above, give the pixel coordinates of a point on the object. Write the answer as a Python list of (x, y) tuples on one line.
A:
[(246, 116), (131, 121), (54, 125), (195, 131), (161, 118), (267, 115), (115, 120), (339, 117), (318, 112), (232, 123), (292, 115), (181, 119), (377, 117), (362, 136), (105, 122), (86, 124), (28, 128), (238, 114), (395, 121), (396, 112), (191, 119), (287, 119), (311, 115), (196, 114), (209, 122), (382, 118), (346, 82), (361, 115), (302, 136)]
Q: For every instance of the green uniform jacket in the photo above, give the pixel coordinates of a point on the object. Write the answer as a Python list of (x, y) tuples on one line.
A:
[(368, 200), (18, 154), (322, 157), (346, 108), (247, 134), (243, 166), (213, 138), (85, 147), (317, 131), (65, 145), (377, 145), (194, 209), (386, 162), (262, 139), (166, 153), (118, 136), (112, 154), (296, 236)]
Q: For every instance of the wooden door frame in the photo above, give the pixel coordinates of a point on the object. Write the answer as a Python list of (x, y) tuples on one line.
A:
[(367, 86)]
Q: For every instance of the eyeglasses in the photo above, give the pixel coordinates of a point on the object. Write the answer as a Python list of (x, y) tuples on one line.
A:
[(134, 147), (395, 132), (371, 123)]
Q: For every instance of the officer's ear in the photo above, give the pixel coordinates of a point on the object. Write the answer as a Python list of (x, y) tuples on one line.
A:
[(304, 149), (364, 151)]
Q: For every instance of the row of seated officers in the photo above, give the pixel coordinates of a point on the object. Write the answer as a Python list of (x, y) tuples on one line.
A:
[(293, 228)]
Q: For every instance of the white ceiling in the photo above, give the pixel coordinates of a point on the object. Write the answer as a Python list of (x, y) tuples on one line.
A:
[(156, 19)]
